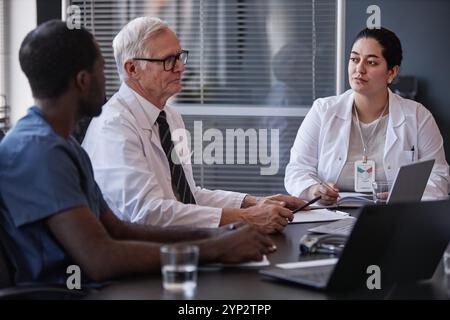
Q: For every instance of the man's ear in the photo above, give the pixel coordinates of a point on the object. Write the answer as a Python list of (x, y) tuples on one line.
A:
[(131, 69), (83, 81)]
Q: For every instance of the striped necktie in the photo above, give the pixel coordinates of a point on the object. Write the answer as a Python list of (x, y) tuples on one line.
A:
[(179, 182)]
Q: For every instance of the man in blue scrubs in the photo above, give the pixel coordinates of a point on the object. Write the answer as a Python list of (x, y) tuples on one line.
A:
[(52, 212)]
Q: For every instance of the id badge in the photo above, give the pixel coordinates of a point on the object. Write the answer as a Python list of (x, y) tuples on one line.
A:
[(364, 175)]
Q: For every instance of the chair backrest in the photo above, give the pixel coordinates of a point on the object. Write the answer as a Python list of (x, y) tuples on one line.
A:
[(6, 270), (405, 86), (80, 130), (5, 267)]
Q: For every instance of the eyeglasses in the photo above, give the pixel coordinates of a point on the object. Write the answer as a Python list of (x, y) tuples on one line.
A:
[(170, 61)]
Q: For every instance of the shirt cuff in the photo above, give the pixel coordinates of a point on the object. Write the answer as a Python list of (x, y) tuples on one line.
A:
[(303, 194), (238, 199), (213, 219)]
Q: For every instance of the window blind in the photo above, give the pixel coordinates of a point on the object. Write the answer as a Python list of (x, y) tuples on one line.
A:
[(242, 53)]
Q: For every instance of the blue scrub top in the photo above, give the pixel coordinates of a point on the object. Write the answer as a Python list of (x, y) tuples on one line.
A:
[(41, 174)]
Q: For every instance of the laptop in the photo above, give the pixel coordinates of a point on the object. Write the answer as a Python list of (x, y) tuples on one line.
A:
[(410, 182), (405, 240), (409, 186)]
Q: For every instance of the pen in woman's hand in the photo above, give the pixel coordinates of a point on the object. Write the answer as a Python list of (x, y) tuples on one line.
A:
[(307, 204), (323, 183)]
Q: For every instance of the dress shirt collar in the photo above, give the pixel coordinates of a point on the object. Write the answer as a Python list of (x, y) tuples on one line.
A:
[(150, 110)]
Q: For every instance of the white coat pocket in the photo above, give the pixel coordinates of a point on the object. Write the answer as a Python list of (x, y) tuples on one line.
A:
[(406, 157)]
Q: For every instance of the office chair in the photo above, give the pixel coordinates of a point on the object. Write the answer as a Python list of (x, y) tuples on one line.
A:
[(405, 86), (29, 291), (80, 130)]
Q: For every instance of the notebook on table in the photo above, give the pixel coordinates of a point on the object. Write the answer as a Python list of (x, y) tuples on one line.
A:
[(348, 200)]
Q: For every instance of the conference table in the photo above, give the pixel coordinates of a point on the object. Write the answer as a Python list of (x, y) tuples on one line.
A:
[(225, 283)]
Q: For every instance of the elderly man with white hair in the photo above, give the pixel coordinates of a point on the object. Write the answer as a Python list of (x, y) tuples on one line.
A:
[(131, 144)]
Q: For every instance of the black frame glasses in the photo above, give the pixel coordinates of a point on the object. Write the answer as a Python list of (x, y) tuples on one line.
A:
[(170, 61)]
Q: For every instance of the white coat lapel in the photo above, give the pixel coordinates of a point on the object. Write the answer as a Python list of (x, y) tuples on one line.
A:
[(396, 119), (129, 100), (340, 127)]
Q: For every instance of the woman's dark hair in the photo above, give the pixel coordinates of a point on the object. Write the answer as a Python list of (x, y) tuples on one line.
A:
[(52, 54), (392, 48)]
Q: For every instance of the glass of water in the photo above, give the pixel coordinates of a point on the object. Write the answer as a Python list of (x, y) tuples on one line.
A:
[(380, 191), (179, 268)]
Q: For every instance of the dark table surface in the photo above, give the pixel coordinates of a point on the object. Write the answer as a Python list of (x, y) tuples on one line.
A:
[(238, 283)]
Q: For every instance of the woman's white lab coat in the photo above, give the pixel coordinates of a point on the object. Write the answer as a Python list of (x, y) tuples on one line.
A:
[(321, 145)]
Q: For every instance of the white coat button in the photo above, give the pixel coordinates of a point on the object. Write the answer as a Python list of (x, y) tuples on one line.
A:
[(389, 167), (340, 158)]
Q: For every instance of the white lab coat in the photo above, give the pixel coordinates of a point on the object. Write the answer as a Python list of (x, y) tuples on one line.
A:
[(133, 173), (321, 145)]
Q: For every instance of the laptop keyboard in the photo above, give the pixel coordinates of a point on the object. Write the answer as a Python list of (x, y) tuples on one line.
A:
[(341, 227)]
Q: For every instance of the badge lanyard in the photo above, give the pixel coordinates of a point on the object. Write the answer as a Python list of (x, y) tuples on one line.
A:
[(365, 168)]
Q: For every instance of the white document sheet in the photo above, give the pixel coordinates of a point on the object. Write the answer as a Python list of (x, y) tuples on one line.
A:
[(307, 264), (252, 264), (318, 215), (263, 263)]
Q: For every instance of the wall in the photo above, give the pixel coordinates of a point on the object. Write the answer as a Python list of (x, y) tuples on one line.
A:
[(48, 10), (22, 18), (423, 28)]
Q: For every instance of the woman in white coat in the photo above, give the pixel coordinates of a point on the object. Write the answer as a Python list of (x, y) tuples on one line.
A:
[(366, 133)]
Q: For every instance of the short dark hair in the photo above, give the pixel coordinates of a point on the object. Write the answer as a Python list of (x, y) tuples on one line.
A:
[(388, 40), (52, 54)]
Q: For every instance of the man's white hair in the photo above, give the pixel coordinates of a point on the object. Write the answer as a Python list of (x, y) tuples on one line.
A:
[(130, 41)]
